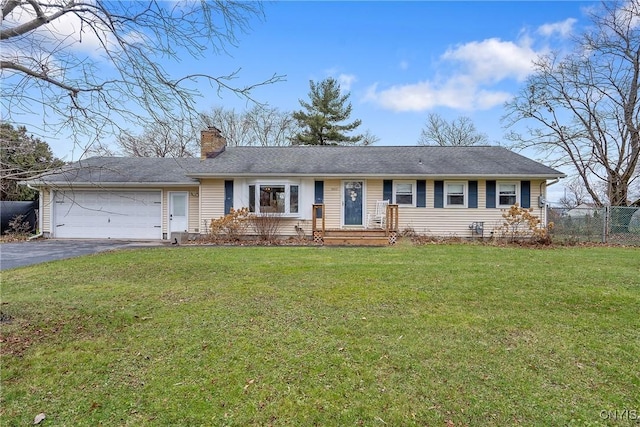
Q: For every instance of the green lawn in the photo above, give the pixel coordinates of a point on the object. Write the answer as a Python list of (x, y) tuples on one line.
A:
[(437, 335)]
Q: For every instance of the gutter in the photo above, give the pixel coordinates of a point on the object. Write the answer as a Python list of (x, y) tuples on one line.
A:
[(40, 211), (543, 210)]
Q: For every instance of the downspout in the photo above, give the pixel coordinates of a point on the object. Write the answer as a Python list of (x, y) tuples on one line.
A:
[(40, 212), (543, 209)]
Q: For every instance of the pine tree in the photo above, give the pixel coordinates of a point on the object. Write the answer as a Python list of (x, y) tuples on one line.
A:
[(22, 156), (321, 120)]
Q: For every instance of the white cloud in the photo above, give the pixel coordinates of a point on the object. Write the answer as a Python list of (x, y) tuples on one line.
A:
[(493, 59), (63, 35), (563, 28), (458, 94), (471, 73), (346, 80)]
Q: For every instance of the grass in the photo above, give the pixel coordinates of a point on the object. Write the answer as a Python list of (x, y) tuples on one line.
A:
[(432, 335)]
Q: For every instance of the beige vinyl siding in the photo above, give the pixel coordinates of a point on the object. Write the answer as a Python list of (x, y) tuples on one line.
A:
[(333, 203), (211, 201), (374, 194), (195, 225), (46, 211), (450, 222)]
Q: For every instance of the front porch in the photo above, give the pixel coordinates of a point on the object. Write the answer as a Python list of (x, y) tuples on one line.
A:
[(385, 233)]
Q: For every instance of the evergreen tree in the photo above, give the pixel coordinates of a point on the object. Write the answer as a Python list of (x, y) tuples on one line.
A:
[(22, 156), (321, 118)]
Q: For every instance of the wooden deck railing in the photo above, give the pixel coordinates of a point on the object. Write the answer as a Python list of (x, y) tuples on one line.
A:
[(318, 214), (391, 223)]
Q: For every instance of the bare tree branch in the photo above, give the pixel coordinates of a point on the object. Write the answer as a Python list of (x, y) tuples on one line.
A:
[(585, 108), (459, 132), (91, 69), (259, 126)]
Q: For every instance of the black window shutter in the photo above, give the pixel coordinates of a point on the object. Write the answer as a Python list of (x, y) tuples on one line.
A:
[(387, 190), (252, 198), (438, 191), (525, 194), (491, 194), (421, 192), (473, 194), (228, 196), (319, 196)]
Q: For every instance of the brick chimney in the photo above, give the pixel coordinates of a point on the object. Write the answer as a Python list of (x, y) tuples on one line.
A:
[(212, 143)]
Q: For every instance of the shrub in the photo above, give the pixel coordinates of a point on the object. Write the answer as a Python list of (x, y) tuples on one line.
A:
[(231, 226), (267, 226), (520, 224), (18, 228)]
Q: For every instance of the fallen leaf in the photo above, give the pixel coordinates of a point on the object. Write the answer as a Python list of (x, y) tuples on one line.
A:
[(39, 418)]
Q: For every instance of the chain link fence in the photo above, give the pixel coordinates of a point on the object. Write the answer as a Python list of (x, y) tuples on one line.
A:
[(610, 224)]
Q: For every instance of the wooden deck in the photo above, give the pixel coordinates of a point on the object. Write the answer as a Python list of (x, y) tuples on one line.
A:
[(355, 236), (358, 238)]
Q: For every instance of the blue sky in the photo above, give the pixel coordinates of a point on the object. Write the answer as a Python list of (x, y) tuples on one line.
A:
[(400, 61)]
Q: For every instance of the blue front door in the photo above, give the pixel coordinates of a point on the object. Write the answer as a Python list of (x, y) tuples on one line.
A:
[(353, 194)]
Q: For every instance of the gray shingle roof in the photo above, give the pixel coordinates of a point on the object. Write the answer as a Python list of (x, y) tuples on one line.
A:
[(125, 170), (315, 161), (388, 160)]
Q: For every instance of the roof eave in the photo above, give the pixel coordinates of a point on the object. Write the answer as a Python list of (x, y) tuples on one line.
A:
[(85, 184), (369, 175)]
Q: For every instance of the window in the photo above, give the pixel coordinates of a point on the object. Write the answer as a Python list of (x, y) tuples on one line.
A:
[(507, 193), (454, 194), (404, 193), (273, 198)]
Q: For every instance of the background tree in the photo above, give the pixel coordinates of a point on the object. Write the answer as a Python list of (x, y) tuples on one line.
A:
[(574, 194), (92, 68), (260, 126), (584, 107), (322, 117), (458, 132), (22, 156), (163, 139)]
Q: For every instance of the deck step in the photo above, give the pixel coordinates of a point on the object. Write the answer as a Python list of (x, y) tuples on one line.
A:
[(357, 237), (355, 241)]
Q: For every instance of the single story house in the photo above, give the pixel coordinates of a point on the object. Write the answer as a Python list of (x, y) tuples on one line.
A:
[(440, 191)]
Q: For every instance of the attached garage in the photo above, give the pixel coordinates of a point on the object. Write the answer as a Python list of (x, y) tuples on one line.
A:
[(84, 214)]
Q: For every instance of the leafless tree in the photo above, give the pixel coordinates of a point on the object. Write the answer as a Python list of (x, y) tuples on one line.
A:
[(259, 126), (92, 68), (458, 132), (368, 138), (583, 109), (575, 194), (163, 139)]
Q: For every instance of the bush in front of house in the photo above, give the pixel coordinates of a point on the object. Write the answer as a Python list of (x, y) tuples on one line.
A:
[(521, 225)]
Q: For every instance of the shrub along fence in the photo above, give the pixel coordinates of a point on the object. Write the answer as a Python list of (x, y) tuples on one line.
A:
[(609, 224), (18, 217)]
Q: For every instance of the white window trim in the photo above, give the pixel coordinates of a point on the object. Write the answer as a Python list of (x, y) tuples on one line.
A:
[(287, 190), (413, 192), (498, 183), (465, 194)]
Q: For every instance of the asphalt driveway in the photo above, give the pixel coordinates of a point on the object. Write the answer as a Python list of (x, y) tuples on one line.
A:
[(21, 254)]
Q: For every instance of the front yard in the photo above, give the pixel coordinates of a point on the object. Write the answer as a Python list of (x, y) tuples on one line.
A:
[(447, 335)]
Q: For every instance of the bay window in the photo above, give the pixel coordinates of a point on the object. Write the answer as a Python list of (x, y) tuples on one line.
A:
[(277, 198)]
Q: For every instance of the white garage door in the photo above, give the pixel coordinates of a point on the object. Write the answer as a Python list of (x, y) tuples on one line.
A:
[(107, 214)]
